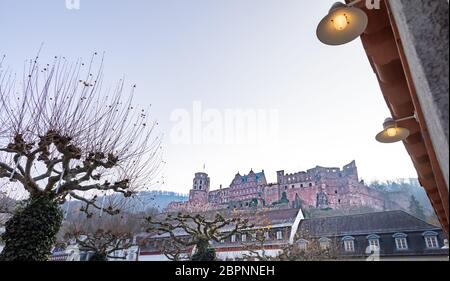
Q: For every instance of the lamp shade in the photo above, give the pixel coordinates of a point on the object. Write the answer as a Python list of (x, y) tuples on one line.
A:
[(342, 25), (391, 133)]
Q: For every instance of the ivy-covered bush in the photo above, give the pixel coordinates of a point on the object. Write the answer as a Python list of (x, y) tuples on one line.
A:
[(31, 233)]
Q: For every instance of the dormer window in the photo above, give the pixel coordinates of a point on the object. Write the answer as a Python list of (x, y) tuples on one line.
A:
[(400, 241), (303, 244), (374, 242), (349, 243), (324, 243), (279, 235), (431, 240)]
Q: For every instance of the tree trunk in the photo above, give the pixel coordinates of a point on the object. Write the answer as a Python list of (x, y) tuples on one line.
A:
[(98, 256), (204, 252), (31, 232)]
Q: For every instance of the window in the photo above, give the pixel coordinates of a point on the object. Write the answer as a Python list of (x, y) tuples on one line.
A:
[(253, 236), (222, 241), (244, 237), (303, 244), (400, 241), (349, 243), (431, 240), (374, 242), (233, 238), (266, 235), (324, 243), (279, 235)]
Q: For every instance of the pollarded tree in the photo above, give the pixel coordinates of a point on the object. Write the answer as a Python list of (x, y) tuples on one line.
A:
[(61, 135), (307, 247), (106, 237), (200, 229)]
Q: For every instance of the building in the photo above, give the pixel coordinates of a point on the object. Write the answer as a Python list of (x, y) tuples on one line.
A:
[(391, 235), (319, 187), (275, 224)]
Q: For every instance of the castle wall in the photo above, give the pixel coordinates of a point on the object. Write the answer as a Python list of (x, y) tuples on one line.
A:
[(323, 187)]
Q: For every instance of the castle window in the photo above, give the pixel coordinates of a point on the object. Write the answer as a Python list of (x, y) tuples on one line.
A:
[(349, 243), (400, 241), (293, 186), (244, 237), (431, 240), (301, 185), (222, 241), (339, 201), (310, 184), (233, 238), (335, 192), (266, 235)]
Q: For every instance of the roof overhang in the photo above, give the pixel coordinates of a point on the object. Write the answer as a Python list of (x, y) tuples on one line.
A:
[(383, 46)]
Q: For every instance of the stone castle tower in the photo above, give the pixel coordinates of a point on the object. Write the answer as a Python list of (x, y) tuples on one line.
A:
[(200, 188)]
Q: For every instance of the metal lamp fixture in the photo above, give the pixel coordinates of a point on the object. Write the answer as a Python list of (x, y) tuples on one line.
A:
[(391, 132), (343, 24)]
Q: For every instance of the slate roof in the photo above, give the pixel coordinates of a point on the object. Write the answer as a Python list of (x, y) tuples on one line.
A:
[(258, 176), (378, 222)]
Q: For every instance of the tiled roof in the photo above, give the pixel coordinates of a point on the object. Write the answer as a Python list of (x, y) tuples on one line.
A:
[(379, 222)]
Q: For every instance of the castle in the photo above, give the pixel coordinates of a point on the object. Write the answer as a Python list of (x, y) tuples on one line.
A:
[(319, 187)]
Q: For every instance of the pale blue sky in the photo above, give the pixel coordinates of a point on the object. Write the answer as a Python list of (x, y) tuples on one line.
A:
[(228, 54)]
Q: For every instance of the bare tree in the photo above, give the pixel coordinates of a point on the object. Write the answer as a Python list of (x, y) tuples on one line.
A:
[(201, 231), (60, 135), (307, 247), (175, 251), (107, 237), (257, 247)]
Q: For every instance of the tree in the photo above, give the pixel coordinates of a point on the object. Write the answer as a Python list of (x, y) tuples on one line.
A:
[(106, 237), (61, 135), (306, 247), (257, 248), (201, 231)]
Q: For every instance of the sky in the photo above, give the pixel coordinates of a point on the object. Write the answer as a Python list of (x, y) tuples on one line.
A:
[(202, 63)]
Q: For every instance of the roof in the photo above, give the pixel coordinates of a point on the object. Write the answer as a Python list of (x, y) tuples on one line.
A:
[(364, 224), (258, 176), (262, 218), (385, 52)]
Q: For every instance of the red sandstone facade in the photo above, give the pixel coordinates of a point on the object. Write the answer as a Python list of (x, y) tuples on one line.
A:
[(319, 187)]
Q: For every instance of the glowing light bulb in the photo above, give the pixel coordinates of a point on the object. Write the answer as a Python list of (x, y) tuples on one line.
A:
[(340, 22), (391, 132)]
